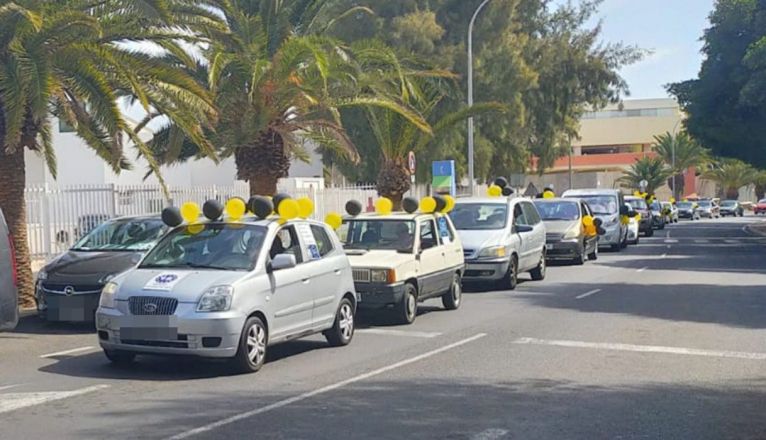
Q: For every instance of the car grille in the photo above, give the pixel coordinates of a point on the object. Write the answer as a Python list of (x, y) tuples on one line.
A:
[(152, 305), (361, 275), (77, 289), (553, 238), (468, 253), (164, 344)]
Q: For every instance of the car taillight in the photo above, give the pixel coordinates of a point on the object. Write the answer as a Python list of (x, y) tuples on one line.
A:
[(14, 268)]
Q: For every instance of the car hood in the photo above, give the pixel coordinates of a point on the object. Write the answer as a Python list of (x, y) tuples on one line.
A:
[(185, 285), (74, 267), (378, 259), (477, 240), (560, 226)]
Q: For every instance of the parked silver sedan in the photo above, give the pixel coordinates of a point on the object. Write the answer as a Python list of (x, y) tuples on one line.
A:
[(230, 290)]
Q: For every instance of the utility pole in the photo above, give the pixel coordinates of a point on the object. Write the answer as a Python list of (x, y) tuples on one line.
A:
[(471, 176)]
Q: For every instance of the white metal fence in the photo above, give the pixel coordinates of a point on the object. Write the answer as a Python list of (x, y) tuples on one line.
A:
[(58, 215)]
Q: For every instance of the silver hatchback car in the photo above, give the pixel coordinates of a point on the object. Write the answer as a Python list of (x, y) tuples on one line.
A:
[(229, 290)]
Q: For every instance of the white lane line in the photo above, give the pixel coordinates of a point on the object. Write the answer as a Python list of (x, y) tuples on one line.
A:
[(8, 387), (326, 389), (702, 241), (66, 352), (671, 241), (587, 294), (732, 241), (14, 401), (664, 255), (490, 434), (645, 348), (642, 269), (388, 332)]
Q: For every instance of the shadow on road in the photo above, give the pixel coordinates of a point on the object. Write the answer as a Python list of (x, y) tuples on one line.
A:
[(33, 325), (529, 409)]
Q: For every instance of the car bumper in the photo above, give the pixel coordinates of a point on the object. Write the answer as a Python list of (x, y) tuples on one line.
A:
[(632, 234), (645, 225), (376, 296), (612, 237), (685, 214), (563, 250), (184, 333), (67, 308), (707, 214), (486, 270)]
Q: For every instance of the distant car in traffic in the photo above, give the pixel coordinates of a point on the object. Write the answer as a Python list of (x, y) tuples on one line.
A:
[(732, 208), (670, 211), (645, 223), (658, 218), (760, 207), (709, 209), (633, 231), (69, 286), (688, 210), (607, 205), (9, 309), (565, 236), (230, 290), (502, 237)]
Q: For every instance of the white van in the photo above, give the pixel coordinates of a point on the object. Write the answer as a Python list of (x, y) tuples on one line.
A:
[(502, 237), (9, 310), (607, 205)]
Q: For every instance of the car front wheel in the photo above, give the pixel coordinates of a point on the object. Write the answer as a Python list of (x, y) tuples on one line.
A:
[(407, 309), (451, 299), (538, 273), (594, 255), (342, 330), (251, 353)]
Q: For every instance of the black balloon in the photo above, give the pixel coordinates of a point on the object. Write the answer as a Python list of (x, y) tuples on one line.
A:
[(502, 182), (597, 222), (171, 216), (600, 230), (260, 206), (353, 207), (213, 209), (441, 203), (410, 205), (507, 191), (277, 199)]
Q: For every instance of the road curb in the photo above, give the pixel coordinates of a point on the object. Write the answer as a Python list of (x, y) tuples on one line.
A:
[(758, 229)]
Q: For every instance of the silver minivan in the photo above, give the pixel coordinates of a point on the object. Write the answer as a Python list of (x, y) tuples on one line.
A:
[(230, 290), (9, 310), (502, 237), (609, 206)]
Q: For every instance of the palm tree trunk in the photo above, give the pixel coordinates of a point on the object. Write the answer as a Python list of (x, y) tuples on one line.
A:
[(394, 181), (263, 163), (262, 184), (12, 184), (732, 193)]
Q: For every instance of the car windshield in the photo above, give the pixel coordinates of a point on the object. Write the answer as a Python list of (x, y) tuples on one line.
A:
[(223, 246), (479, 216), (600, 205), (705, 203), (122, 235), (559, 210), (376, 234), (684, 205), (728, 203), (637, 203), (655, 206)]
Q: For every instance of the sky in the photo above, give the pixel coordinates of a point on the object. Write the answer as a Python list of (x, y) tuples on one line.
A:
[(671, 29)]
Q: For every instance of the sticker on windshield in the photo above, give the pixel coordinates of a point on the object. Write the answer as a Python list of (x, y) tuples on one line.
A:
[(164, 281)]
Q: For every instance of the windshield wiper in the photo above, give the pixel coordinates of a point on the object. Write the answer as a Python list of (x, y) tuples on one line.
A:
[(185, 265)]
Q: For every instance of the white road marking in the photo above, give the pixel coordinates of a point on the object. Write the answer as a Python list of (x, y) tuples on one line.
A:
[(490, 434), (702, 241), (671, 241), (8, 387), (66, 352), (326, 389), (14, 401), (645, 348), (664, 255), (642, 269), (587, 294), (389, 332), (732, 241)]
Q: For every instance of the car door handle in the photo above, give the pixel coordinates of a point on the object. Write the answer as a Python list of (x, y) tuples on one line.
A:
[(337, 271), (306, 280)]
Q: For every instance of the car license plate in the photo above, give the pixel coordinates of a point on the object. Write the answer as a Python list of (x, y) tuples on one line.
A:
[(549, 246), (149, 333)]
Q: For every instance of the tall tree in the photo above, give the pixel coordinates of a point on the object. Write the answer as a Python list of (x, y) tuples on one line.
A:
[(726, 104), (681, 150), (68, 58), (731, 175), (652, 169)]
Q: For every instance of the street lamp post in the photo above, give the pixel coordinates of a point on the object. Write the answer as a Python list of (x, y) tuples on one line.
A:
[(673, 157), (471, 177)]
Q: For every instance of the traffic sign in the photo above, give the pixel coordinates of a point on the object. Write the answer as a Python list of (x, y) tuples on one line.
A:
[(411, 162)]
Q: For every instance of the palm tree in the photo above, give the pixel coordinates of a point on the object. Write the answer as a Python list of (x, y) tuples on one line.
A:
[(760, 184), (68, 59), (278, 85), (651, 169), (688, 153), (731, 175)]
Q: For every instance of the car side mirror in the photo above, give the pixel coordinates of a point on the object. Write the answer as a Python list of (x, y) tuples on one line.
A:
[(283, 261), (521, 229)]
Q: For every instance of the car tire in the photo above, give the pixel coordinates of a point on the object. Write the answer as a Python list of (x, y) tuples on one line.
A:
[(407, 309), (581, 258), (538, 273), (650, 232), (616, 247), (593, 256), (511, 278), (662, 225), (253, 342), (451, 300), (120, 357), (342, 331)]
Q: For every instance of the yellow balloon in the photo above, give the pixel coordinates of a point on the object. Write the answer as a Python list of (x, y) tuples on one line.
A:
[(450, 203), (305, 207), (235, 208), (673, 200), (190, 212), (625, 219), (637, 193), (428, 204), (289, 209), (334, 220), (587, 221), (384, 206), (494, 191), (195, 229), (591, 230), (548, 195)]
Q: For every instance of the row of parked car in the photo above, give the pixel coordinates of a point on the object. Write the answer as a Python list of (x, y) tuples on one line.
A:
[(229, 289)]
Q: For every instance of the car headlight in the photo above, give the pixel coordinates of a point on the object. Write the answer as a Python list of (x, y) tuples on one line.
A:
[(106, 278), (216, 299), (382, 276), (492, 252), (107, 295), (611, 221), (572, 233), (42, 275)]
